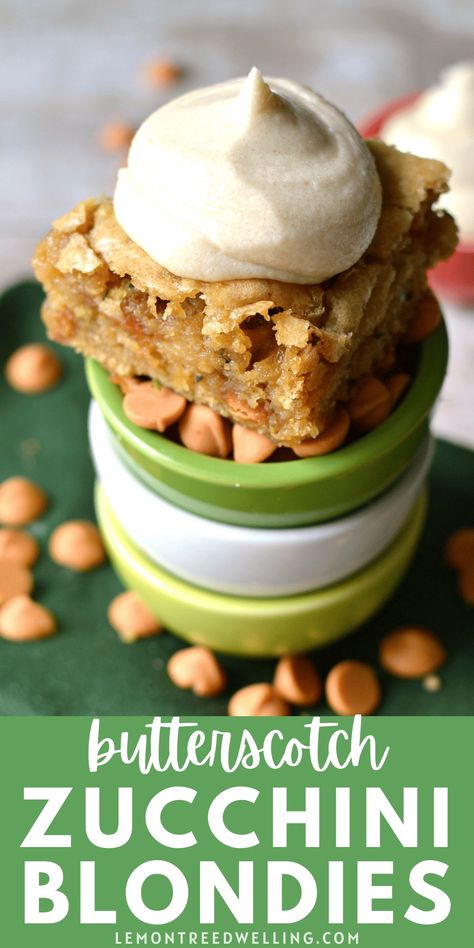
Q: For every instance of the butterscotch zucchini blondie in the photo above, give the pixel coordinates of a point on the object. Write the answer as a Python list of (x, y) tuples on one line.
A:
[(275, 356)]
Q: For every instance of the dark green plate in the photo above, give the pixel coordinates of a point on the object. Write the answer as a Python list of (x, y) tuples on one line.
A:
[(87, 670)]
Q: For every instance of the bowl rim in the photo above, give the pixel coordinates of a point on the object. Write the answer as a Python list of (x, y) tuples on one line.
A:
[(124, 549), (398, 426), (333, 530)]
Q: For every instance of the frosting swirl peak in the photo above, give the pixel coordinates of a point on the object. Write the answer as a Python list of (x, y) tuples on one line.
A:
[(250, 178)]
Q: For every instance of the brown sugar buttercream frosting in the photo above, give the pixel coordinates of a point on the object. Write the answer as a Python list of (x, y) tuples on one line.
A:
[(250, 178)]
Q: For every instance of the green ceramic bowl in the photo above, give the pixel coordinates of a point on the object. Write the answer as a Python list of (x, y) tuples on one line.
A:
[(282, 494), (258, 627)]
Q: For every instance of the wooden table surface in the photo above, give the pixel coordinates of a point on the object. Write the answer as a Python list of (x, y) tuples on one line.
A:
[(68, 66)]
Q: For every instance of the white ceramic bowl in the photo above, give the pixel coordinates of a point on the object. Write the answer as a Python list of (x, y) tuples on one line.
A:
[(245, 561)]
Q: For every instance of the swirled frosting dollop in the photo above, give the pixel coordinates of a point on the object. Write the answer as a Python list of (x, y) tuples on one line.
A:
[(250, 178), (440, 124)]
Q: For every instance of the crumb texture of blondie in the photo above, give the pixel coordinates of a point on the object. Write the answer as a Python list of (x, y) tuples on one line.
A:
[(272, 356)]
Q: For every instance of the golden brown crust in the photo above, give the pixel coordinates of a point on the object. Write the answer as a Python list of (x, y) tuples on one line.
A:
[(273, 356)]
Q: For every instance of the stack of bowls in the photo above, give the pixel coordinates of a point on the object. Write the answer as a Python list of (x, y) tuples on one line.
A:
[(271, 558)]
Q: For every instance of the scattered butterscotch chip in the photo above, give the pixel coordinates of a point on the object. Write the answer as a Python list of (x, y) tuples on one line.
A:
[(77, 544), (250, 447), (18, 547), (297, 680), (196, 668), (432, 683), (369, 404), (153, 407), (14, 581), (352, 687), (258, 700), (466, 584), (397, 385), (459, 550), (411, 653), (131, 618), (22, 620), (426, 320), (202, 430), (161, 73), (331, 438), (33, 368), (115, 136), (21, 501)]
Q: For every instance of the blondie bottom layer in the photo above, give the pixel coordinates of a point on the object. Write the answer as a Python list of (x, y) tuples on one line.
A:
[(273, 356)]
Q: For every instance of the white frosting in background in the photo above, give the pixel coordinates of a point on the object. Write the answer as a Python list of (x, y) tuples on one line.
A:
[(247, 179), (440, 124)]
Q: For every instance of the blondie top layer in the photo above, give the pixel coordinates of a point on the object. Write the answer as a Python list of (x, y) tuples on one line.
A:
[(273, 356)]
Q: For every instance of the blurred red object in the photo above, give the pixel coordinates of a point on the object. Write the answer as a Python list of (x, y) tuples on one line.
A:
[(453, 278)]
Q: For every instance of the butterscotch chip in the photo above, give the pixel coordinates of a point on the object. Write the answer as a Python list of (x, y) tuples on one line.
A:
[(18, 547), (297, 680), (131, 618), (126, 383), (115, 136), (196, 668), (14, 581), (202, 430), (466, 584), (459, 550), (397, 385), (432, 683), (369, 404), (330, 439), (77, 544), (411, 653), (352, 687), (250, 447), (21, 501), (426, 320), (373, 419), (22, 620), (259, 700), (242, 411), (151, 407), (33, 368), (161, 73), (386, 363)]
